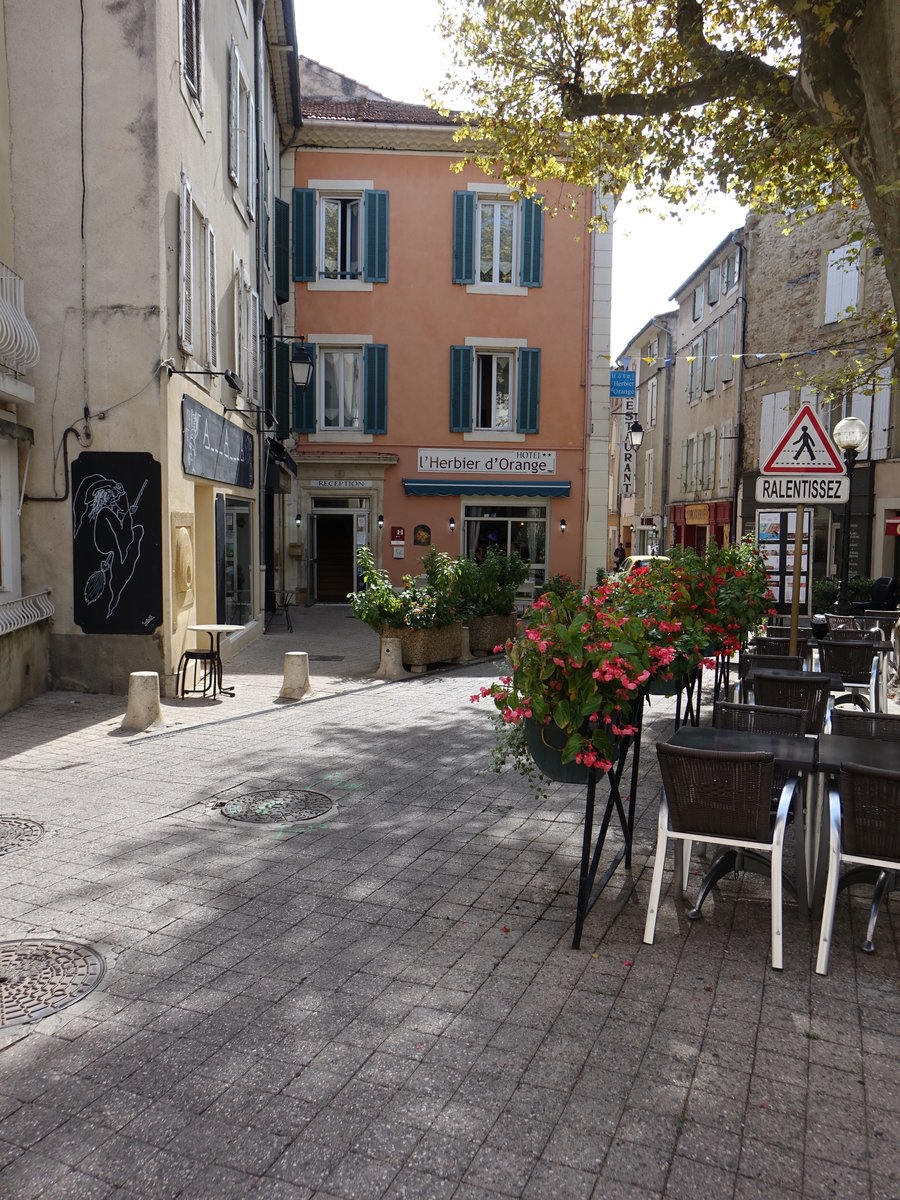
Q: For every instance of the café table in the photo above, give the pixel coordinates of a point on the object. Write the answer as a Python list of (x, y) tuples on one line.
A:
[(795, 754), (215, 632)]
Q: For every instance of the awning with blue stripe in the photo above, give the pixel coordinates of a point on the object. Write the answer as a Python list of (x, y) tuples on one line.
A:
[(486, 487)]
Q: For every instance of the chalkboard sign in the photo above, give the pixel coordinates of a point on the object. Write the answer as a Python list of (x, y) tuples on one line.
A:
[(214, 448), (117, 543)]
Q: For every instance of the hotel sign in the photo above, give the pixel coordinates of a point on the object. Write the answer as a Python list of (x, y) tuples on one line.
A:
[(487, 462)]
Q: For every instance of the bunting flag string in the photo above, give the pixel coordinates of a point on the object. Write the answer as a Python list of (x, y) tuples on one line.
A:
[(758, 356)]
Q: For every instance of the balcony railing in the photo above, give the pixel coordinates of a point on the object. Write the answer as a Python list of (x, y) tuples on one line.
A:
[(19, 347), (27, 610)]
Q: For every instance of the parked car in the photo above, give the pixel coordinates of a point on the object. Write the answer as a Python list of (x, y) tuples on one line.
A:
[(640, 560)]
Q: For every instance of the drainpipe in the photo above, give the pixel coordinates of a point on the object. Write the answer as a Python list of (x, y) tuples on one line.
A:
[(667, 421), (739, 431)]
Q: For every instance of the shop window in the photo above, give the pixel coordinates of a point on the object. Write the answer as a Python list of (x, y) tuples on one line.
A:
[(508, 527)]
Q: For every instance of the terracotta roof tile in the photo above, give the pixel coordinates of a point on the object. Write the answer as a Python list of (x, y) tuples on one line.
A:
[(391, 112)]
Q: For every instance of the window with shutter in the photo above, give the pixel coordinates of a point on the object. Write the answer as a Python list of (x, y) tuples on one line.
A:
[(282, 230), (881, 415), (461, 360), (304, 213), (241, 135), (463, 237), (697, 303), (240, 341), (695, 370), (711, 358), (648, 481), (726, 347), (190, 46), (341, 235), (253, 349), (726, 451), (186, 291), (497, 242), (528, 418), (376, 381), (303, 403), (712, 285), (652, 388), (376, 236), (773, 422), (841, 283), (212, 327)]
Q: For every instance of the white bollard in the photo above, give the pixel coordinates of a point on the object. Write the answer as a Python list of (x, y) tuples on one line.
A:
[(143, 702), (391, 665), (296, 675)]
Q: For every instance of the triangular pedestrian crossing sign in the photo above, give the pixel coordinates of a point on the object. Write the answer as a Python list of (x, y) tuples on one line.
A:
[(806, 449)]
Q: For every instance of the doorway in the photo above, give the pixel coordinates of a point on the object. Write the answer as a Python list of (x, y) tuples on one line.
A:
[(332, 557)]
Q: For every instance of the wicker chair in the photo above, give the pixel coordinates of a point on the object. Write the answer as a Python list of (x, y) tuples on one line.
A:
[(852, 722), (773, 662), (812, 693), (780, 645), (857, 664), (724, 799), (867, 836), (838, 621), (855, 635)]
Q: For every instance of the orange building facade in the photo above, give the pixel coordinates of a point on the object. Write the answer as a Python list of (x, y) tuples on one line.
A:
[(450, 327)]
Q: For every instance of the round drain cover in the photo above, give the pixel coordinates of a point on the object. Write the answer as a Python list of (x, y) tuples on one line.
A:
[(16, 833), (277, 806), (38, 977)]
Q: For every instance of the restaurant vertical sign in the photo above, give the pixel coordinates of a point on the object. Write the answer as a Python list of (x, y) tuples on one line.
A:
[(622, 390)]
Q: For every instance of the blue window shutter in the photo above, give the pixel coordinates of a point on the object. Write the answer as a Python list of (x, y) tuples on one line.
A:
[(375, 404), (528, 415), (303, 414), (282, 390), (282, 252), (463, 237), (376, 218), (532, 243), (304, 204), (461, 389)]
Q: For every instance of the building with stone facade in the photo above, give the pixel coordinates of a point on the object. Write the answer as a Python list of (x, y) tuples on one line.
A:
[(814, 302), (144, 210), (460, 339)]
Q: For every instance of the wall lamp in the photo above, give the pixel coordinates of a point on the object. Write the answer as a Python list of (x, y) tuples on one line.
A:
[(298, 520), (234, 381), (381, 520), (452, 524), (301, 359), (562, 525)]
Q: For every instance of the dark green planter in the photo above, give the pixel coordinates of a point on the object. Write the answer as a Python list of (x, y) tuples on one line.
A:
[(545, 745)]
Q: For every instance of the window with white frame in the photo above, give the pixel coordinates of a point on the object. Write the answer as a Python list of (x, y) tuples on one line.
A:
[(708, 464), (340, 234), (197, 291), (730, 271), (728, 326), (493, 391), (246, 334), (341, 372), (496, 240), (648, 481), (841, 283), (242, 134), (695, 370), (652, 389), (711, 358), (191, 43), (697, 303), (712, 285)]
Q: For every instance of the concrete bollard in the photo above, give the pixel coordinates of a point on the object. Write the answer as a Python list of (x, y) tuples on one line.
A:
[(465, 654), (143, 702), (296, 675), (391, 665)]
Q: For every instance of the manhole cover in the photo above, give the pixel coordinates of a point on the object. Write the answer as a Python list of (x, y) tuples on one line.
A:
[(277, 806), (16, 833), (38, 977)]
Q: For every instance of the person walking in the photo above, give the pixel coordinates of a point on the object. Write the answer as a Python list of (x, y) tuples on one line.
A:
[(619, 556)]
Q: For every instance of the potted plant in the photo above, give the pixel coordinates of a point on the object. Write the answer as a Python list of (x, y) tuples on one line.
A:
[(488, 592)]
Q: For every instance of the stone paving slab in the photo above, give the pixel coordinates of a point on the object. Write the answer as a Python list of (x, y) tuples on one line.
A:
[(383, 1001)]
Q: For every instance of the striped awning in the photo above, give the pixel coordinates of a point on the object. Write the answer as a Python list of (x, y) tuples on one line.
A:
[(486, 487)]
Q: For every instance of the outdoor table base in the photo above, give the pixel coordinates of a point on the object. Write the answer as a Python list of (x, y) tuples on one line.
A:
[(589, 887)]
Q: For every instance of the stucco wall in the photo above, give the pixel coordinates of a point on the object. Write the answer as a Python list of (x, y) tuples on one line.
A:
[(24, 665)]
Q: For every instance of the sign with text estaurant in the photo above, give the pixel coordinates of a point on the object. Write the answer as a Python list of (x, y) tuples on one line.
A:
[(488, 462)]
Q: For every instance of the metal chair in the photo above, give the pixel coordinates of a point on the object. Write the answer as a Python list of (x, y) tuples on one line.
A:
[(857, 664), (204, 658), (724, 799), (809, 690), (864, 830)]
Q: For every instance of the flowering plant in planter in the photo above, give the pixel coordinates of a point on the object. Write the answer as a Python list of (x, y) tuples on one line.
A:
[(582, 659)]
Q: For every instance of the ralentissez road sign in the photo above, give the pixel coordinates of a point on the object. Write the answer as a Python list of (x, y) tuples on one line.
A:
[(804, 468)]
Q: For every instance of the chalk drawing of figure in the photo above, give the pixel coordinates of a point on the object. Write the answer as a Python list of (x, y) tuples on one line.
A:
[(117, 538), (805, 443)]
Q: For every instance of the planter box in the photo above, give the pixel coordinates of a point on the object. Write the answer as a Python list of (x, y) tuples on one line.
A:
[(545, 745), (487, 632), (422, 647)]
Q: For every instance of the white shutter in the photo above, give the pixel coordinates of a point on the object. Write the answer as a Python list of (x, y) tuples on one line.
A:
[(773, 423), (186, 281), (861, 406), (725, 455), (239, 318), (726, 348), (684, 464), (709, 363), (212, 321), (810, 396), (648, 481), (651, 402), (253, 356), (881, 415), (234, 115), (251, 158), (841, 283), (709, 457)]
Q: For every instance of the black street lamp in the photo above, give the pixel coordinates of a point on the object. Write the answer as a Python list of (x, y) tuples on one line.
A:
[(850, 436)]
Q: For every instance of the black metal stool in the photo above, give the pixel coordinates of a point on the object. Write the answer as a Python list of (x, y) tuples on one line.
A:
[(208, 659)]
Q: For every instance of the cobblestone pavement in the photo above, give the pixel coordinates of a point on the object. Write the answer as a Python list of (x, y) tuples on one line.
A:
[(383, 1000)]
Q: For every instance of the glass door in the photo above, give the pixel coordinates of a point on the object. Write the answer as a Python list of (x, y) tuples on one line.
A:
[(238, 561)]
